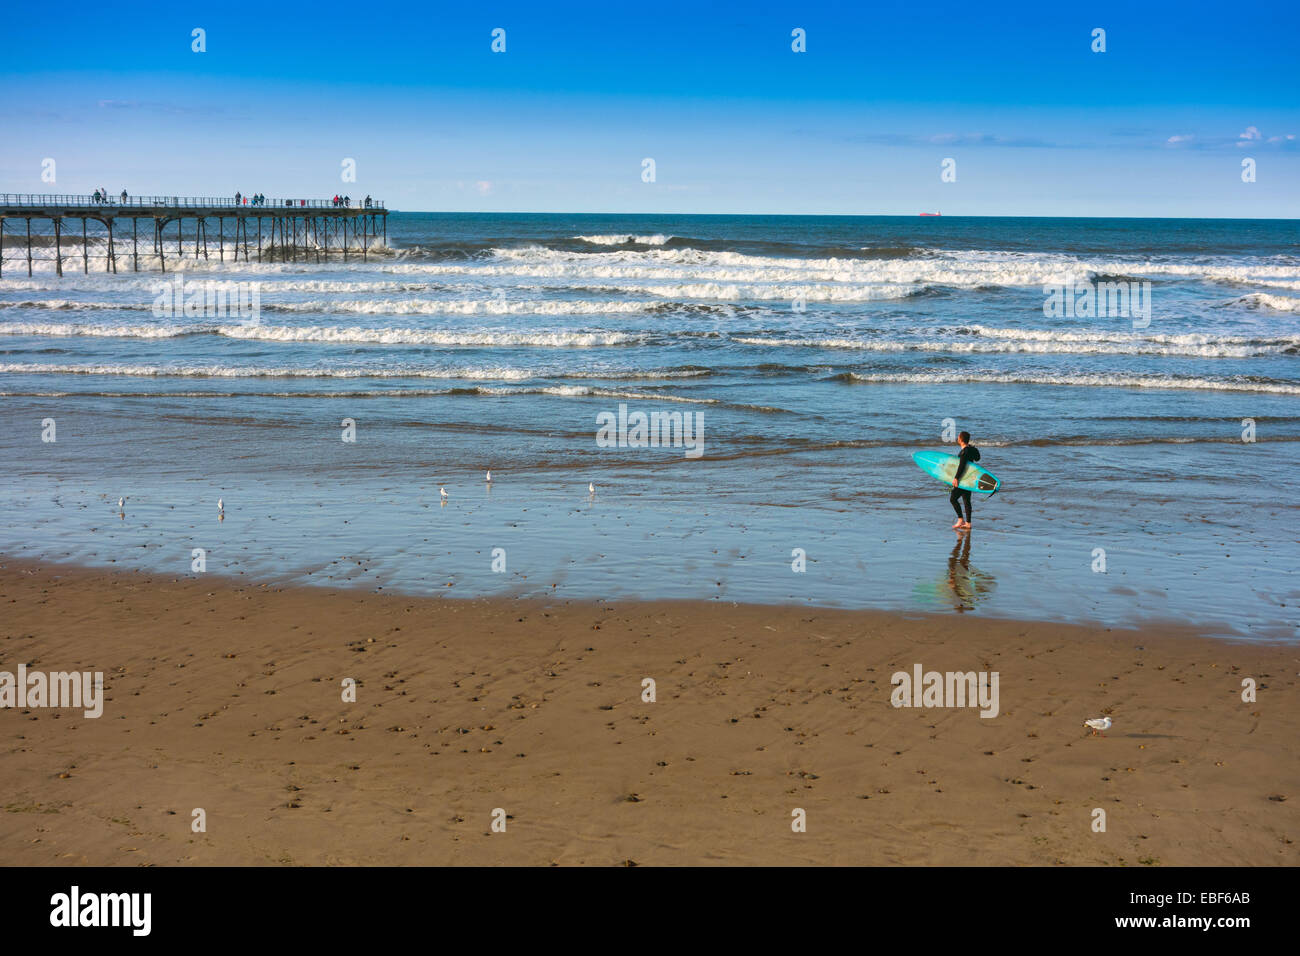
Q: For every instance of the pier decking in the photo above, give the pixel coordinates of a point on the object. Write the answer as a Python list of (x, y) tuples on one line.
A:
[(110, 229)]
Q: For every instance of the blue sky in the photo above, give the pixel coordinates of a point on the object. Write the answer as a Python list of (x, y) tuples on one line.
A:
[(735, 121)]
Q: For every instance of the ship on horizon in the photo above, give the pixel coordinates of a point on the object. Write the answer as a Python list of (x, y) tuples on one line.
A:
[(931, 214)]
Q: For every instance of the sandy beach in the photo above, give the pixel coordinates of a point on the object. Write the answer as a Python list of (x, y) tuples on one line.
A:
[(228, 697)]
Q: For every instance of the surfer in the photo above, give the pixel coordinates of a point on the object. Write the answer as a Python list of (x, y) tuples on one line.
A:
[(960, 496)]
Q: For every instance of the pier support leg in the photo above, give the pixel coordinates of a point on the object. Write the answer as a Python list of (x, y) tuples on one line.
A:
[(111, 264), (58, 247), (259, 238), (158, 243), (29, 248), (221, 239), (135, 243), (85, 248)]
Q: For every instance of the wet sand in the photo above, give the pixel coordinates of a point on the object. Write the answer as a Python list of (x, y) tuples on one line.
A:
[(228, 697)]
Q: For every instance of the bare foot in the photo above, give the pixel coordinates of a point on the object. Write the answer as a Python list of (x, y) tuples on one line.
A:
[(965, 524), (957, 523)]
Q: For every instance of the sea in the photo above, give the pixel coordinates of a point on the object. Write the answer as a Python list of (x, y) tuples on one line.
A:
[(1133, 383)]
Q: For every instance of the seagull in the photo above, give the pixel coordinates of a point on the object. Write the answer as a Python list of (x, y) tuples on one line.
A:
[(443, 491), (221, 504), (1098, 724), (121, 502), (489, 476), (591, 487)]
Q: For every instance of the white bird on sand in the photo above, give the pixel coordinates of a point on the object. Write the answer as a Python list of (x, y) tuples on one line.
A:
[(121, 502), (591, 487), (221, 504), (488, 479), (1098, 724), (443, 491)]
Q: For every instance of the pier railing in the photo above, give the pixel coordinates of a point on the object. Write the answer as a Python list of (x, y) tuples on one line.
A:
[(68, 200)]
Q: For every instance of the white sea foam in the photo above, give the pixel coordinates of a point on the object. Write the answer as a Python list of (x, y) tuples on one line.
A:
[(958, 269), (980, 338), (1102, 335), (327, 334), (1262, 300), (466, 338), (1070, 346), (249, 371), (1098, 380), (767, 292), (1106, 380), (495, 374), (973, 339), (121, 283), (624, 238), (116, 331), (69, 305), (491, 306), (586, 391), (262, 372), (726, 274)]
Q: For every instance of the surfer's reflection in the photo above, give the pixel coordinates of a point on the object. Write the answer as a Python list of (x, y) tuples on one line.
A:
[(968, 585), (962, 585)]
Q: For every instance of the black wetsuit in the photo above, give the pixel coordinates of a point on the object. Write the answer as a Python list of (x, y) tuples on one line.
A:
[(960, 496)]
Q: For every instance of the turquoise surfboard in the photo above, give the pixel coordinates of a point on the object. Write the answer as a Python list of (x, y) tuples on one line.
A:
[(938, 465)]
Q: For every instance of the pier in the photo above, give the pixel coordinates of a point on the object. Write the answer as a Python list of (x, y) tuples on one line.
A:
[(66, 228)]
